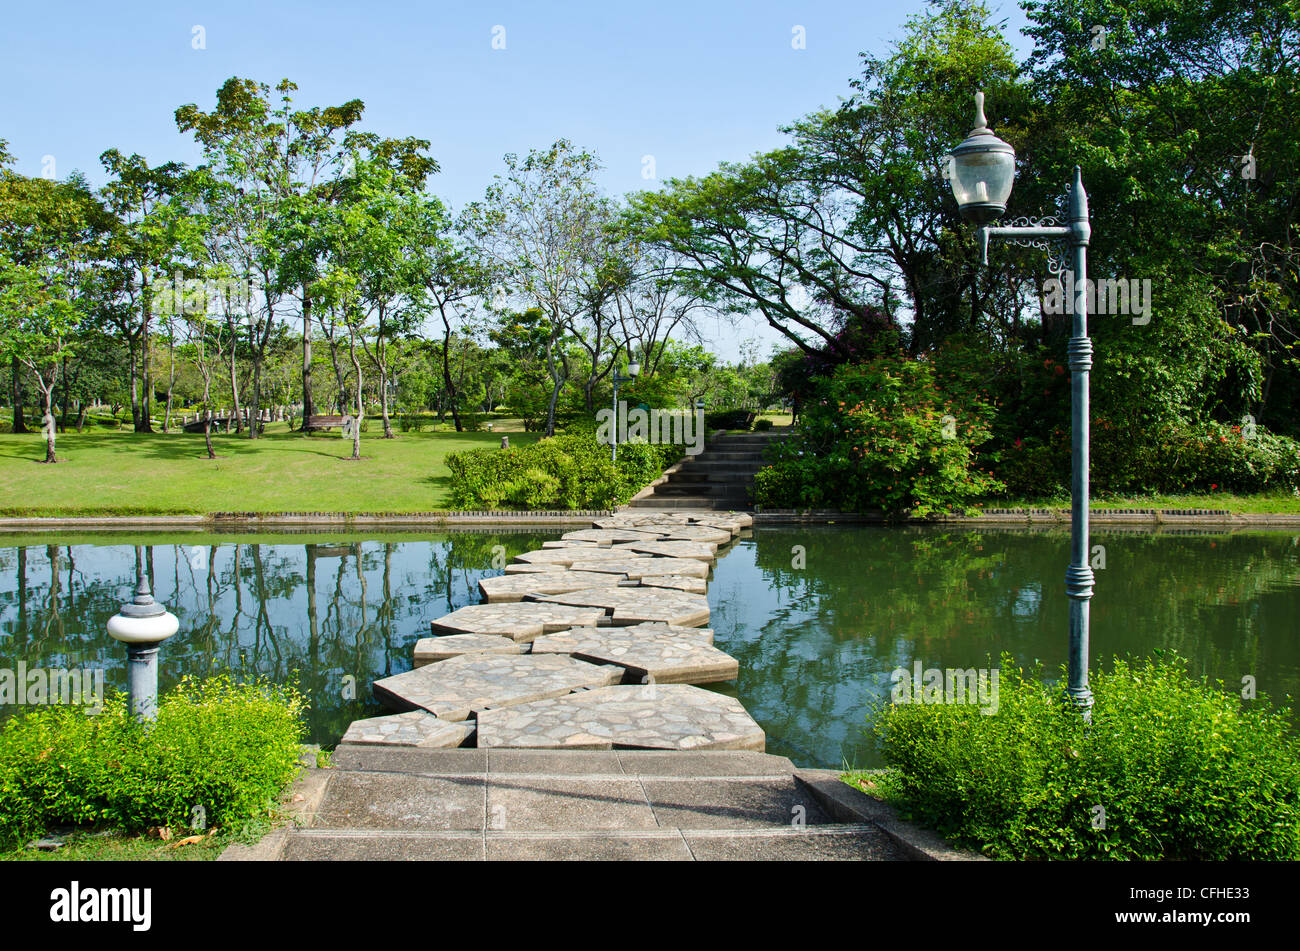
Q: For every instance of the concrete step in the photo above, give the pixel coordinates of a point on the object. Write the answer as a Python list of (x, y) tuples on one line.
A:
[(731, 455), (686, 503), (382, 803)]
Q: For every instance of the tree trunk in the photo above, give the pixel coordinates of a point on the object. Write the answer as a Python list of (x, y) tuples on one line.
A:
[(234, 386), (446, 373), (255, 407), (308, 404), (16, 397), (145, 424), (171, 378), (356, 425)]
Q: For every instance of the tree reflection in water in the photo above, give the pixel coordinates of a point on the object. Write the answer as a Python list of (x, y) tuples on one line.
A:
[(251, 605)]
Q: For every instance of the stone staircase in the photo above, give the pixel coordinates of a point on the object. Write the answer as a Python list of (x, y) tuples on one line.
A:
[(719, 478), (467, 804)]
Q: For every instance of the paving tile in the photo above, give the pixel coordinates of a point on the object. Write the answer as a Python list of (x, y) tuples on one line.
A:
[(657, 652), (368, 847), (732, 804), (400, 802), (672, 716), (667, 846), (515, 621), (453, 689), (429, 650), (415, 728), (400, 759), (529, 804), (813, 846), (635, 605)]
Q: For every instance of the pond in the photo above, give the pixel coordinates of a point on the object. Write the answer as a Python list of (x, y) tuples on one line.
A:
[(818, 617)]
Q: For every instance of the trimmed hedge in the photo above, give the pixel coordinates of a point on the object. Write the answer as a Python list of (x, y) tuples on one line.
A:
[(571, 471)]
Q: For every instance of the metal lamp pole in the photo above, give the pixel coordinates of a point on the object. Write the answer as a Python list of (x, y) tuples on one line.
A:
[(633, 370), (982, 171)]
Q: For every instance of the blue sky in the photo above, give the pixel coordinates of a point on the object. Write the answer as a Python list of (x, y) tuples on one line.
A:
[(689, 83)]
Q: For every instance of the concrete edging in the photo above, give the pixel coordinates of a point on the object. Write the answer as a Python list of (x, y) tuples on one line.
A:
[(310, 785), (848, 804)]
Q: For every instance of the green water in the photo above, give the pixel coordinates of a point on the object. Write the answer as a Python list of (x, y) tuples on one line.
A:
[(816, 643)]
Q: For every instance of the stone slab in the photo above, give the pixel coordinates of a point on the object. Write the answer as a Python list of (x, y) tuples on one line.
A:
[(393, 801), (513, 587), (454, 689), (635, 604), (634, 567), (429, 650), (658, 716), (677, 583), (700, 551), (416, 728), (571, 555), (644, 651), (517, 621), (611, 536)]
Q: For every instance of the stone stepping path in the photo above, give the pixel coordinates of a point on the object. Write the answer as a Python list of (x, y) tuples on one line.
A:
[(614, 536), (429, 650), (633, 605), (733, 522), (415, 728), (514, 587), (609, 536), (655, 716), (699, 551), (518, 621), (649, 653), (571, 555), (633, 566), (455, 688)]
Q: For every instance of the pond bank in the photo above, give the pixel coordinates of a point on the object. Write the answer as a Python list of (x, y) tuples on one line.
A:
[(550, 519)]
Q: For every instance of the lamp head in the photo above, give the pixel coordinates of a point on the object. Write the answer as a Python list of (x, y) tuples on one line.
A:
[(981, 171)]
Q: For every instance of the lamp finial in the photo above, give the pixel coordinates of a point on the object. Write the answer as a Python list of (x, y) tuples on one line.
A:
[(980, 121)]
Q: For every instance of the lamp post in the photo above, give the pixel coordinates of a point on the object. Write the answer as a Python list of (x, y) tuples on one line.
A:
[(142, 624), (633, 371), (982, 170)]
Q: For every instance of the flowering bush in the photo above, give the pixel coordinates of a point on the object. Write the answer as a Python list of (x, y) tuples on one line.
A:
[(881, 435)]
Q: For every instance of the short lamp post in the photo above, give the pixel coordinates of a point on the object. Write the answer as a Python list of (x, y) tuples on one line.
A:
[(633, 371), (982, 170), (142, 624)]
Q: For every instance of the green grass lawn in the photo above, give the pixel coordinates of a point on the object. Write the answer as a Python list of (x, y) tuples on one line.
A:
[(110, 473), (87, 847)]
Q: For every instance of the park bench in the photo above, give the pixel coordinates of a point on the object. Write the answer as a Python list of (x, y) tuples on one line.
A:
[(324, 422)]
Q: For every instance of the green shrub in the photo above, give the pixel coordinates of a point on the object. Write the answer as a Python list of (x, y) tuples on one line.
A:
[(1181, 768), (571, 471), (218, 752), (881, 435), (762, 425), (729, 419)]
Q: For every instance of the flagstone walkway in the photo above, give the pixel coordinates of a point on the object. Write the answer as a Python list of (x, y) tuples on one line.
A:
[(562, 719)]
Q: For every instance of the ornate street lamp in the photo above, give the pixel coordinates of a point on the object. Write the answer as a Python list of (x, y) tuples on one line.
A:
[(142, 624), (982, 171), (633, 371)]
